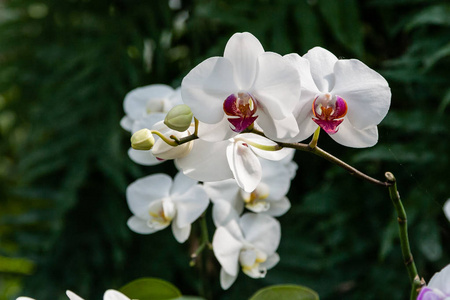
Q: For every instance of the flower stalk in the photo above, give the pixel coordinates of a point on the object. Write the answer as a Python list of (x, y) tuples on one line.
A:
[(204, 240), (165, 139), (403, 232), (311, 147)]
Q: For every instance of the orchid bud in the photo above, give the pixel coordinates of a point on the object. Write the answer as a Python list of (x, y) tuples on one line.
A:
[(142, 140), (179, 118)]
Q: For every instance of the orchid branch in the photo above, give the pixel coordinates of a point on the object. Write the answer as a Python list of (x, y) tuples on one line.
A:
[(205, 243), (312, 148), (319, 152), (403, 228)]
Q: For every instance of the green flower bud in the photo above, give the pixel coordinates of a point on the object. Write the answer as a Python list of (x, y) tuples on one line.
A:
[(179, 118), (142, 140)]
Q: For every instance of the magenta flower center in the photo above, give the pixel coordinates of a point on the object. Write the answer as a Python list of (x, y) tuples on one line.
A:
[(329, 112), (240, 109)]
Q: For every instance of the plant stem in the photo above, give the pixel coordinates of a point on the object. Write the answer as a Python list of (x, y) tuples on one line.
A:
[(312, 148), (416, 286), (403, 230), (319, 152), (205, 291)]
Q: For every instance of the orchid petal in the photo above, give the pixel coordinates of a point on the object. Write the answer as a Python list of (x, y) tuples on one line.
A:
[(271, 261), (305, 122), (163, 151), (190, 205), (247, 257), (145, 158), (226, 280), (302, 111), (427, 293), (148, 121), (146, 190), (227, 190), (279, 207), (114, 295), (366, 92), (349, 136), (271, 155), (226, 249), (262, 231), (224, 214), (181, 234), (73, 296), (303, 68), (284, 130), (321, 65), (440, 280), (126, 123), (140, 226), (206, 87), (245, 165), (242, 50), (216, 132), (136, 100), (277, 86), (447, 209), (277, 177), (175, 97), (181, 184), (206, 162)]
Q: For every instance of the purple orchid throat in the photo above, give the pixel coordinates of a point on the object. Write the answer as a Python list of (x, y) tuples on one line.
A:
[(241, 109), (329, 114)]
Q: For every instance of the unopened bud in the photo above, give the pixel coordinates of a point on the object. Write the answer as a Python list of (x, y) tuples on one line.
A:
[(179, 118), (142, 140)]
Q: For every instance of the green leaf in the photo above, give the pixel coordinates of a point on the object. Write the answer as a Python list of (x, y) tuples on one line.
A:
[(150, 289), (434, 15), (190, 298), (445, 101), (285, 292)]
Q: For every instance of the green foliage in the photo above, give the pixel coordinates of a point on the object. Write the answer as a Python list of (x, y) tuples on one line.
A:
[(150, 289), (285, 292), (65, 67)]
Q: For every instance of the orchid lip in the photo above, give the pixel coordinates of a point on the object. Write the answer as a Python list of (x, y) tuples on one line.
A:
[(329, 112), (240, 108)]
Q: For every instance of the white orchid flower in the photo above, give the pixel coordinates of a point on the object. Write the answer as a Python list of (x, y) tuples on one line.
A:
[(244, 86), (438, 288), (344, 97), (233, 158), (155, 99), (447, 209), (108, 295), (156, 202), (268, 197), (250, 241)]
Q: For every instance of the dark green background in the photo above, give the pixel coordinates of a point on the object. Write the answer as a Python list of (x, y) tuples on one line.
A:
[(65, 67)]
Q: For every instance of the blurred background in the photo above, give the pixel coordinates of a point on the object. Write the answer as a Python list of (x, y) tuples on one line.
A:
[(65, 67)]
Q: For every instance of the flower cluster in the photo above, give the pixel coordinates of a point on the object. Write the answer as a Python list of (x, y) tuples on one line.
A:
[(225, 127)]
